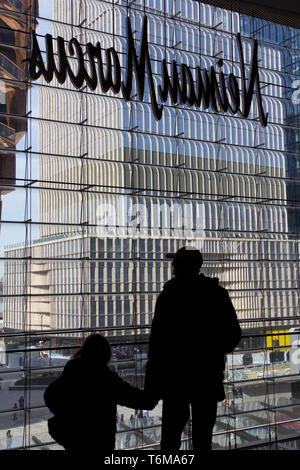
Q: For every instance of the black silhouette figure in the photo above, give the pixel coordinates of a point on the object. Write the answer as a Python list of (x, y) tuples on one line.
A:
[(84, 399), (193, 328)]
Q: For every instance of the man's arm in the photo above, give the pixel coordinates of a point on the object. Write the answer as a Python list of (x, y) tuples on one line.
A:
[(156, 345), (229, 328), (157, 330)]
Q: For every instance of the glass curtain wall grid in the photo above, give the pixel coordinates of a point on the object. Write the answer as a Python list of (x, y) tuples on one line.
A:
[(94, 191), (261, 411)]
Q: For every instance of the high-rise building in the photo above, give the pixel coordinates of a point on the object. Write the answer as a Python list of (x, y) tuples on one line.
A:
[(119, 188)]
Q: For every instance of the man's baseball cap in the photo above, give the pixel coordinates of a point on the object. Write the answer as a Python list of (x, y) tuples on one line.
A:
[(186, 256)]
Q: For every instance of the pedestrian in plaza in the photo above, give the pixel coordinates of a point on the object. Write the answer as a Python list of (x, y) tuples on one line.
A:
[(128, 437), (145, 417), (15, 415), (21, 402), (9, 437), (86, 395), (193, 328)]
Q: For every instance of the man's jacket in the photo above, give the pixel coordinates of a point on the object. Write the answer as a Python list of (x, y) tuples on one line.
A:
[(193, 328)]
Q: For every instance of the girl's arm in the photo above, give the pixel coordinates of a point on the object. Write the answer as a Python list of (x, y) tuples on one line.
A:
[(132, 397)]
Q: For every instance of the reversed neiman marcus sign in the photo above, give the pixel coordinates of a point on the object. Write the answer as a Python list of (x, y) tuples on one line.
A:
[(205, 89)]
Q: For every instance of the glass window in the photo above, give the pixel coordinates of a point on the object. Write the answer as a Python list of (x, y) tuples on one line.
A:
[(76, 158)]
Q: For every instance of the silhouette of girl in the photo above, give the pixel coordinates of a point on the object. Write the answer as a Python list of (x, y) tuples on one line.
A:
[(86, 395)]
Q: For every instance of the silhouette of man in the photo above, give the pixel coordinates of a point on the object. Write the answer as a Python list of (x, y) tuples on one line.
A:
[(193, 328)]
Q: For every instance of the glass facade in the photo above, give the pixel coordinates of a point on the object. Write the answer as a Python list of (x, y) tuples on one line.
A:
[(95, 190)]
